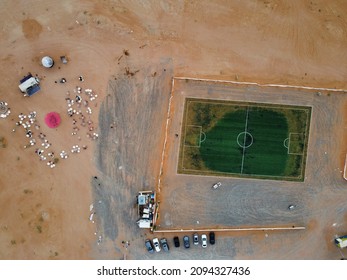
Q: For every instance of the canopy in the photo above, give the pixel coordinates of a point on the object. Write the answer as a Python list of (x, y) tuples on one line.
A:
[(52, 119)]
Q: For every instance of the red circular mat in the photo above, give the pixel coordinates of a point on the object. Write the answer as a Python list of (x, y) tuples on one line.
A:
[(52, 119)]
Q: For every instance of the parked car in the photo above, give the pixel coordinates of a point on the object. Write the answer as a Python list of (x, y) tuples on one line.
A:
[(164, 244), (196, 239), (176, 241), (212, 238), (291, 207), (156, 244), (186, 241), (204, 240), (216, 185), (149, 246)]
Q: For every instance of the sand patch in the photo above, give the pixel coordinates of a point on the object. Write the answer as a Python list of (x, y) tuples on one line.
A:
[(31, 29)]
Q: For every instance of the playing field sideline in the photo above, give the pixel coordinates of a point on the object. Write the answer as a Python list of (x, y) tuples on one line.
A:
[(244, 139)]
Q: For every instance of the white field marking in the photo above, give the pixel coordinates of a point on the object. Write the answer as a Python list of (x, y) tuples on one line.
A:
[(251, 104), (230, 174), (243, 146), (182, 166), (204, 137), (261, 85), (166, 132), (183, 116), (200, 136), (244, 142), (181, 138), (307, 134), (251, 138), (231, 229), (184, 146), (235, 175), (185, 131), (289, 153), (256, 102), (284, 143), (227, 174), (185, 110), (237, 139)]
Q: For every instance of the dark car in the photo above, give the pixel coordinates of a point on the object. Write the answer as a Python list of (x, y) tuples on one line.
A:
[(176, 241), (212, 238), (164, 244), (186, 242), (196, 239), (149, 246)]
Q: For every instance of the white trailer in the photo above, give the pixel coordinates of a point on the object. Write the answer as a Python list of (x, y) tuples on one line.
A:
[(29, 85), (144, 223)]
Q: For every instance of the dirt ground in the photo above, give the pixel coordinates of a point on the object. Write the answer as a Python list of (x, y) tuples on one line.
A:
[(127, 52)]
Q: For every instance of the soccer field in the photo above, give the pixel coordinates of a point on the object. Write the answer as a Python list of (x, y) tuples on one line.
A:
[(225, 138)]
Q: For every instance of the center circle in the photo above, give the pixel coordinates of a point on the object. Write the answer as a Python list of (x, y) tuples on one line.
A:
[(245, 140)]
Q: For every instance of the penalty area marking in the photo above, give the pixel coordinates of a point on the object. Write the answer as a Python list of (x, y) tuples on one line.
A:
[(202, 133), (202, 136), (286, 143), (194, 146), (185, 134)]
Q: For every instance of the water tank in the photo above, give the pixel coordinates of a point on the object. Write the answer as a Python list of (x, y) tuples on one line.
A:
[(47, 61)]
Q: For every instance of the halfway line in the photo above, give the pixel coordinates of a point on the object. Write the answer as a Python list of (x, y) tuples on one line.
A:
[(244, 141)]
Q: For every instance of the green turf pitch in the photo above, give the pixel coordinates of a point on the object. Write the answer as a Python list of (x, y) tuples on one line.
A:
[(244, 139)]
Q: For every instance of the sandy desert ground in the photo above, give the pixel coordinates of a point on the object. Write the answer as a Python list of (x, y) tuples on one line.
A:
[(128, 52)]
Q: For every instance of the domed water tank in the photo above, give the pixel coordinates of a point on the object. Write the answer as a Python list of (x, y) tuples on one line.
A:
[(47, 61)]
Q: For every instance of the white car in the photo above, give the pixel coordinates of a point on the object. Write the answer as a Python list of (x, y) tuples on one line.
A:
[(204, 240), (216, 185), (156, 244)]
